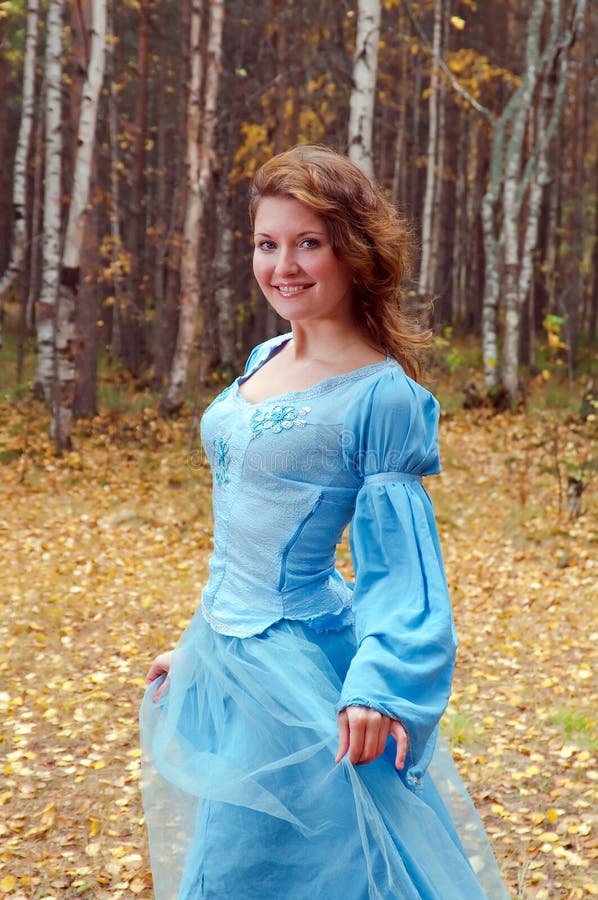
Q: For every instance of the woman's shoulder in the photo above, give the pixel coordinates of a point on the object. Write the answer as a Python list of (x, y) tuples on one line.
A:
[(392, 423), (262, 351), (391, 388)]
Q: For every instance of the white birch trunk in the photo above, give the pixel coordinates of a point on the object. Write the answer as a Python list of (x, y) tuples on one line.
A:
[(19, 189), (189, 252), (52, 198), (199, 171), (512, 204), (213, 69), (427, 267), (363, 94), (506, 172), (223, 294), (519, 259), (75, 229), (491, 292)]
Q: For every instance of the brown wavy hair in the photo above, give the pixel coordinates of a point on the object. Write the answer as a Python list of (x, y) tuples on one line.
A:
[(365, 231)]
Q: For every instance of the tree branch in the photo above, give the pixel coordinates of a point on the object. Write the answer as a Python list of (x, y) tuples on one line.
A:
[(440, 62)]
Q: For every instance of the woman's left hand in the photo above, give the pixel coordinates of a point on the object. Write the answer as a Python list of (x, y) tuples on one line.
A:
[(363, 732)]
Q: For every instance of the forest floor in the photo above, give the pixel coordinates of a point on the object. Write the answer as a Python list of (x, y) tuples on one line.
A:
[(102, 556)]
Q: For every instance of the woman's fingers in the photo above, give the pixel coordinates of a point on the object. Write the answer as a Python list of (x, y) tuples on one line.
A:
[(160, 665), (358, 718), (161, 689), (363, 733), (397, 730), (343, 735)]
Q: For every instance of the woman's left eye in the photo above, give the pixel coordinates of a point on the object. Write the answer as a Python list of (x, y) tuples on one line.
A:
[(310, 242)]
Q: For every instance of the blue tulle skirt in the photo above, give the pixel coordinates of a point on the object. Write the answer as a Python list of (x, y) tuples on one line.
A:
[(243, 798)]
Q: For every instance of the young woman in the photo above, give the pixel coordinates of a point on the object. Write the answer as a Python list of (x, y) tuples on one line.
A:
[(289, 739)]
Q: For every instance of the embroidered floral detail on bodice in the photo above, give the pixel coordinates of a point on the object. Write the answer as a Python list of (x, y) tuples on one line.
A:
[(278, 418), (221, 460)]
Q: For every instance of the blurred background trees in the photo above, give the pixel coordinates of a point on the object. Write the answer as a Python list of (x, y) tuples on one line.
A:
[(123, 213)]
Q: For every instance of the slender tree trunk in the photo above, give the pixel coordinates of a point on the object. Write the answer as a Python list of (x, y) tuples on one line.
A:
[(414, 181), (474, 272), (576, 305), (200, 167), (514, 114), (282, 81), (427, 268), (443, 210), (87, 313), (174, 398), (37, 221), (519, 260), (224, 290), (19, 192), (593, 315), (398, 192), (462, 222), (363, 94), (46, 315), (75, 230), (160, 227), (133, 345), (166, 339), (114, 215), (5, 178)]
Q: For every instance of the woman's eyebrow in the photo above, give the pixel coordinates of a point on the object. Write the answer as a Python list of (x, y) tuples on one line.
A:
[(300, 234)]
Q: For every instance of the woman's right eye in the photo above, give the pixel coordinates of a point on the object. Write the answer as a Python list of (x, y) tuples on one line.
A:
[(265, 245)]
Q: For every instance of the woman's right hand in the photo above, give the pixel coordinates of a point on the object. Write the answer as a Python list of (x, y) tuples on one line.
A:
[(160, 666)]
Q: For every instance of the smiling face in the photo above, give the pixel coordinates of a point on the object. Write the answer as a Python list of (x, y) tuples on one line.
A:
[(295, 265)]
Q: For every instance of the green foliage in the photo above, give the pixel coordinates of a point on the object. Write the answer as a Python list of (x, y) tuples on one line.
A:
[(459, 728), (446, 352), (578, 726)]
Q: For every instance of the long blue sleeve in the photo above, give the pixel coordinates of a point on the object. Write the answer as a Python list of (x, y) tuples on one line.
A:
[(406, 640)]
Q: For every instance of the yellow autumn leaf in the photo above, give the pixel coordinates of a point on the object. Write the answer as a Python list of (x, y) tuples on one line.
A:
[(549, 837)]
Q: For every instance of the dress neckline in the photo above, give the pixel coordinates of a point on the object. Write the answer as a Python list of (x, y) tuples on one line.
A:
[(320, 387)]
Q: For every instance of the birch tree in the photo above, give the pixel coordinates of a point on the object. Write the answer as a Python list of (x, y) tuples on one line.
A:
[(75, 230), (44, 378), (200, 161), (512, 180), (363, 93), (19, 191)]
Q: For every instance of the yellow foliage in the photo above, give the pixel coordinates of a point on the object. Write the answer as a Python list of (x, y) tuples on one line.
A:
[(473, 70), (311, 125), (252, 152)]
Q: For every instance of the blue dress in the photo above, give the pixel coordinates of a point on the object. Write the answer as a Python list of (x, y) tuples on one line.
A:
[(242, 796)]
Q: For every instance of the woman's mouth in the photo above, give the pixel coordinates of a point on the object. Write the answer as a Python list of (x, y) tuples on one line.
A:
[(288, 290)]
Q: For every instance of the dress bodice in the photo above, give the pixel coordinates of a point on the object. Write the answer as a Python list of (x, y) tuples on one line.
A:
[(286, 475)]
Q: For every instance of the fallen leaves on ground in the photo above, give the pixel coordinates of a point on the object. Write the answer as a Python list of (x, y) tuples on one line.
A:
[(104, 553)]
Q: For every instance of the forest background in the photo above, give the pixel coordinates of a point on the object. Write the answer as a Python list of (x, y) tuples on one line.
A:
[(128, 133)]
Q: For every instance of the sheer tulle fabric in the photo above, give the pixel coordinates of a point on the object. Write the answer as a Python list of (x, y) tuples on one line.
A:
[(243, 798)]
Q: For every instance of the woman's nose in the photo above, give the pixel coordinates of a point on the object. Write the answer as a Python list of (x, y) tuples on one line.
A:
[(286, 262)]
